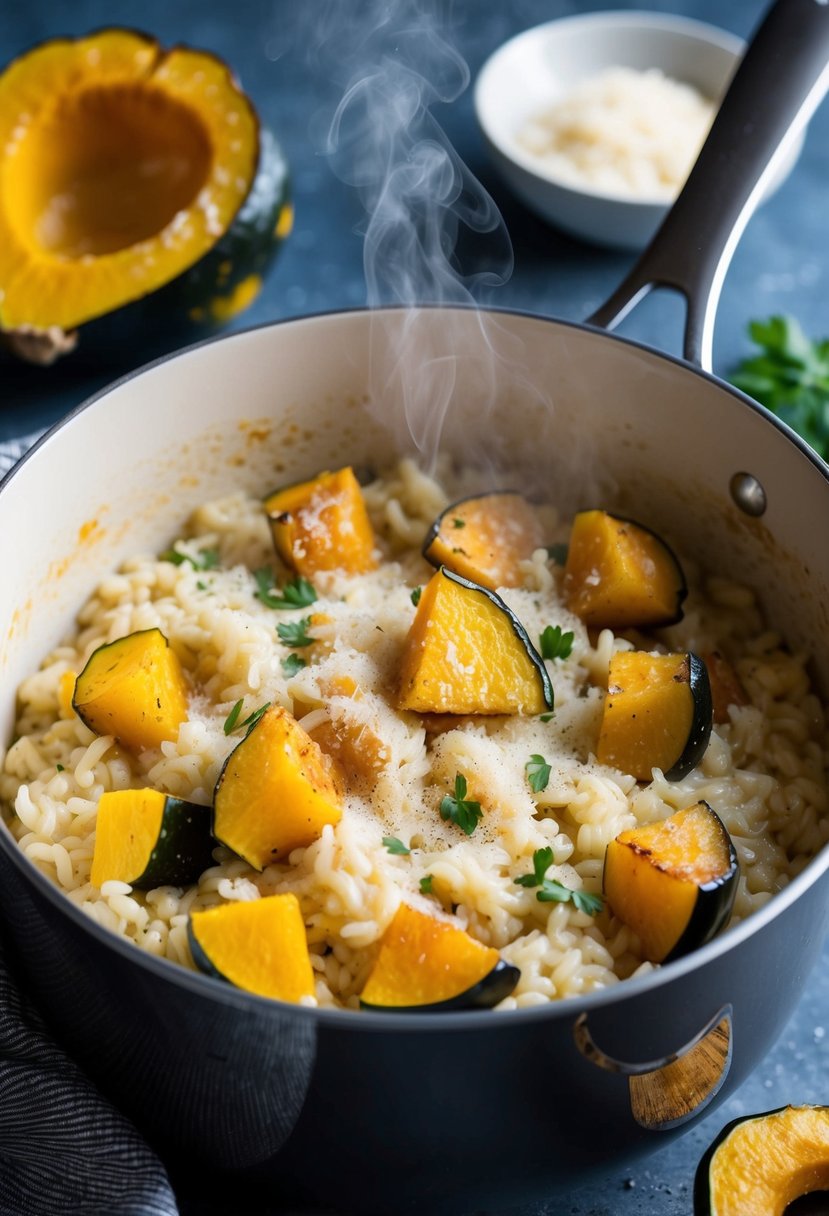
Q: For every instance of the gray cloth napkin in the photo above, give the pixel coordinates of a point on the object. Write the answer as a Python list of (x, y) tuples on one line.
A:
[(64, 1149)]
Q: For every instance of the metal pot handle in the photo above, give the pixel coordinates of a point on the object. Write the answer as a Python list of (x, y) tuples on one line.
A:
[(775, 90)]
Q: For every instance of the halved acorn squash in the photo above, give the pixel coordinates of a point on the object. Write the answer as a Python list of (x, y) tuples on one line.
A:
[(760, 1164), (673, 882), (132, 180)]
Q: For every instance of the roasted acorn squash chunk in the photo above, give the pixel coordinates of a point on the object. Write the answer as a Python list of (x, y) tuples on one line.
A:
[(429, 964), (657, 714), (726, 689), (673, 882), (322, 524), (255, 944), (467, 653), (485, 538), (620, 575), (148, 839), (276, 791), (760, 1164), (128, 171), (134, 689)]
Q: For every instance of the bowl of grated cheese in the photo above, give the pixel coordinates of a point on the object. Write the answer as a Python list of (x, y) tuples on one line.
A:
[(595, 121)]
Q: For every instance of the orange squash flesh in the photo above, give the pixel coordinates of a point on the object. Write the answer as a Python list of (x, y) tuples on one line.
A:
[(485, 538), (276, 792), (148, 839), (657, 714), (259, 945), (351, 741), (726, 688), (619, 575), (322, 524), (760, 1165), (673, 882), (425, 961), (121, 166), (466, 653), (134, 689)]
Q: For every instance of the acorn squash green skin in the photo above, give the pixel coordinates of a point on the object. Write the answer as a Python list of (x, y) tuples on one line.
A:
[(184, 310), (183, 850), (713, 905), (517, 628), (200, 956), (486, 994), (701, 723), (702, 1183)]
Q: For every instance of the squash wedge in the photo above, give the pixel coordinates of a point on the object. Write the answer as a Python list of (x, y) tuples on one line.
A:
[(485, 538), (620, 575), (322, 524), (467, 653), (259, 945), (276, 791), (760, 1164), (673, 882), (657, 714), (148, 839), (134, 689), (431, 965)]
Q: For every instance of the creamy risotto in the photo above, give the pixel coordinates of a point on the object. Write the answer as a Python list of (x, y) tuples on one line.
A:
[(763, 770)]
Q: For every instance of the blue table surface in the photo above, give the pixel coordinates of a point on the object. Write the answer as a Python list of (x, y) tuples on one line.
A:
[(782, 265)]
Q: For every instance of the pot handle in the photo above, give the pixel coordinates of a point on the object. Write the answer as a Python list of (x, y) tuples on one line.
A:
[(775, 90)]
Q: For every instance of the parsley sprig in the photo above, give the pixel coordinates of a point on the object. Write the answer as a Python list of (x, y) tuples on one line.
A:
[(461, 810), (205, 559), (553, 891), (232, 722), (538, 773), (298, 593), (295, 633), (555, 644), (292, 665), (396, 847), (790, 377)]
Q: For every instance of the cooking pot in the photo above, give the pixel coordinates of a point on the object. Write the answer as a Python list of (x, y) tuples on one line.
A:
[(395, 1113)]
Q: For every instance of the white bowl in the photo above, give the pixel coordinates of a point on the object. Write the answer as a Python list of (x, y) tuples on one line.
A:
[(535, 69)]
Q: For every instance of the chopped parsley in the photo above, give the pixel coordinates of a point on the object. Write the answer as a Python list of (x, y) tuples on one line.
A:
[(459, 809), (426, 884), (293, 664), (555, 644), (295, 633), (60, 768), (415, 596), (206, 559), (232, 722), (538, 773), (298, 593), (546, 717), (201, 585), (396, 847), (552, 891), (458, 523)]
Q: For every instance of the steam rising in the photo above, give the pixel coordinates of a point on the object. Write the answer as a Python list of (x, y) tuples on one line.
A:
[(433, 235)]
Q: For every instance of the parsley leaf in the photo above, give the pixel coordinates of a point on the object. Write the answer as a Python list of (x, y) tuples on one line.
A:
[(458, 523), (790, 377), (426, 884), (538, 773), (553, 891), (233, 717), (60, 768), (298, 593), (416, 594), (555, 644), (396, 847), (293, 664), (206, 559), (295, 633), (461, 810), (232, 722), (546, 717)]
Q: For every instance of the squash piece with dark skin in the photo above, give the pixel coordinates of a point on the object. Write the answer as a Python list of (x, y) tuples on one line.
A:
[(322, 524), (131, 165), (149, 839), (657, 714), (673, 882), (259, 945), (431, 965), (134, 689), (276, 791), (467, 653), (485, 538), (760, 1164), (620, 575)]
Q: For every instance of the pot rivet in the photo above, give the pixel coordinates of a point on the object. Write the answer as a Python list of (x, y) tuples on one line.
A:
[(748, 494)]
